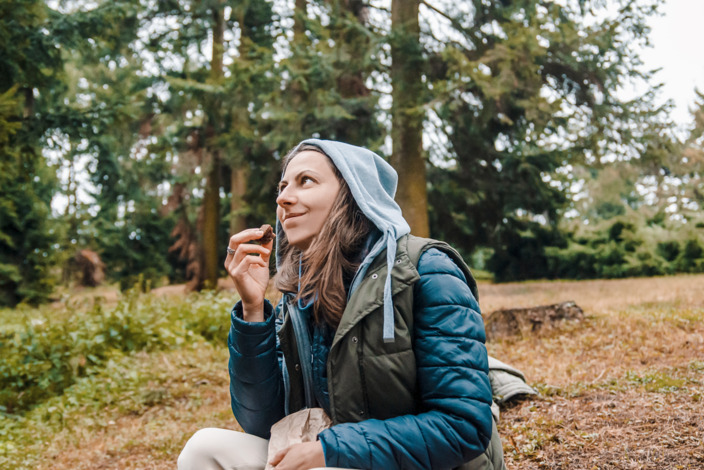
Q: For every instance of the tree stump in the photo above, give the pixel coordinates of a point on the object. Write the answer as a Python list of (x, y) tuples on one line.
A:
[(91, 267), (530, 321)]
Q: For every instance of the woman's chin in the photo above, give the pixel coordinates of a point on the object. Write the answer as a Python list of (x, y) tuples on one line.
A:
[(300, 243)]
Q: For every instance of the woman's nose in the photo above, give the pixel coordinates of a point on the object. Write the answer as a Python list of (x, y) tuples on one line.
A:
[(285, 197)]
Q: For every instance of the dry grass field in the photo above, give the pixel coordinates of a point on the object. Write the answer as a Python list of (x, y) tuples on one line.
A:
[(620, 390)]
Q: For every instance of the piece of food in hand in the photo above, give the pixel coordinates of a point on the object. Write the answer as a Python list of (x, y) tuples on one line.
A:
[(268, 235)]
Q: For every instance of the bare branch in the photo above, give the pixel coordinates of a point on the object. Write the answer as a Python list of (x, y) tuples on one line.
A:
[(452, 20)]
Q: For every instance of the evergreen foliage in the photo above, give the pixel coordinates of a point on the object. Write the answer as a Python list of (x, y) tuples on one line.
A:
[(324, 90), (26, 232), (29, 60), (524, 96), (627, 246), (166, 123)]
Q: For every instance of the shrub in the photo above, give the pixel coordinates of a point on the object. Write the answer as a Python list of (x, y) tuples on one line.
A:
[(668, 250), (625, 248), (45, 351), (691, 259)]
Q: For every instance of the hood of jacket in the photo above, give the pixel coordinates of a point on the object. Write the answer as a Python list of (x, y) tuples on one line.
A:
[(372, 182)]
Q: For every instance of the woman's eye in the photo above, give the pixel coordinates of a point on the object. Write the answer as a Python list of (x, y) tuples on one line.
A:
[(306, 179)]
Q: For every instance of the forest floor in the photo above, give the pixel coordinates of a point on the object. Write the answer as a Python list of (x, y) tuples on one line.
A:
[(621, 389)]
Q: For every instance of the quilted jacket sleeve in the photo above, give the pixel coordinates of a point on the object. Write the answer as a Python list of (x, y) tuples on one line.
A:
[(455, 393), (256, 381)]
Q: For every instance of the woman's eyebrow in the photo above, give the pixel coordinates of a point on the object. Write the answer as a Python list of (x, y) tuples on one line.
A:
[(298, 175), (310, 171)]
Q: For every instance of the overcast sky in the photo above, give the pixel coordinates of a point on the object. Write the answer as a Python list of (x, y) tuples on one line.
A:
[(677, 49)]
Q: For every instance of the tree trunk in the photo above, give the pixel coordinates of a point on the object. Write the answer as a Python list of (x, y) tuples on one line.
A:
[(351, 83), (300, 13), (238, 183), (28, 102), (407, 115), (211, 198), (299, 16), (211, 223), (239, 172)]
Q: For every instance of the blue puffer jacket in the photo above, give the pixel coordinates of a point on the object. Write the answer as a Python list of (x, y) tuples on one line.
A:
[(454, 422)]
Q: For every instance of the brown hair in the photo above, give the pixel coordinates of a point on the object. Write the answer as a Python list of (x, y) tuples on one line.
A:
[(332, 258)]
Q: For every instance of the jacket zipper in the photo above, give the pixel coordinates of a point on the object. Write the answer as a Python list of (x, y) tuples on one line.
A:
[(360, 355)]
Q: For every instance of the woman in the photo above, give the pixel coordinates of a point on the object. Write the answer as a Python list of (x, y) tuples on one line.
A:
[(379, 328)]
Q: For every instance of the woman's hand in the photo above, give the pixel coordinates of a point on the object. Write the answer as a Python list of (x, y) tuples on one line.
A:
[(300, 457), (249, 269)]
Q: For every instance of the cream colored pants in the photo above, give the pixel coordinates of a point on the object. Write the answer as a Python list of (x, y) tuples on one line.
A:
[(222, 449)]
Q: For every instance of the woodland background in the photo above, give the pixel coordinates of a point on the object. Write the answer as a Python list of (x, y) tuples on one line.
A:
[(148, 131)]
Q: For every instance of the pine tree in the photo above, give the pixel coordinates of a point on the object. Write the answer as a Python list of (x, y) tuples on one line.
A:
[(323, 91), (27, 183), (108, 115), (408, 114), (693, 162), (525, 93)]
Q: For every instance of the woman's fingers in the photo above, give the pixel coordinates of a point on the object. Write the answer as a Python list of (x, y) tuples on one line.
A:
[(279, 456), (244, 257), (247, 264), (249, 249), (245, 236), (239, 238)]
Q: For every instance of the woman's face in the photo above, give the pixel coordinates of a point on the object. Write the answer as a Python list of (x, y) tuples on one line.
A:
[(307, 193)]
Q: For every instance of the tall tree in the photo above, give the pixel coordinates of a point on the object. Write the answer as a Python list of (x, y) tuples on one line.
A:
[(30, 70), (187, 43), (693, 161), (27, 185), (107, 116), (211, 198), (525, 92), (408, 114), (323, 89), (251, 79)]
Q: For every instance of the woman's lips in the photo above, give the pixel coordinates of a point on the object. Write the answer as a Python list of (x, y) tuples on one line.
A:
[(291, 216)]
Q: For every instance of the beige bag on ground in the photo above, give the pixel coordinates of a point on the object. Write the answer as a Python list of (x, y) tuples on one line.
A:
[(301, 426)]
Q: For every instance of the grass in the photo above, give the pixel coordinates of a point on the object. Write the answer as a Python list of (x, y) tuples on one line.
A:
[(136, 411), (622, 389)]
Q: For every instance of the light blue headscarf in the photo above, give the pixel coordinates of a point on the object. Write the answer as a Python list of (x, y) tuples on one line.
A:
[(372, 182)]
